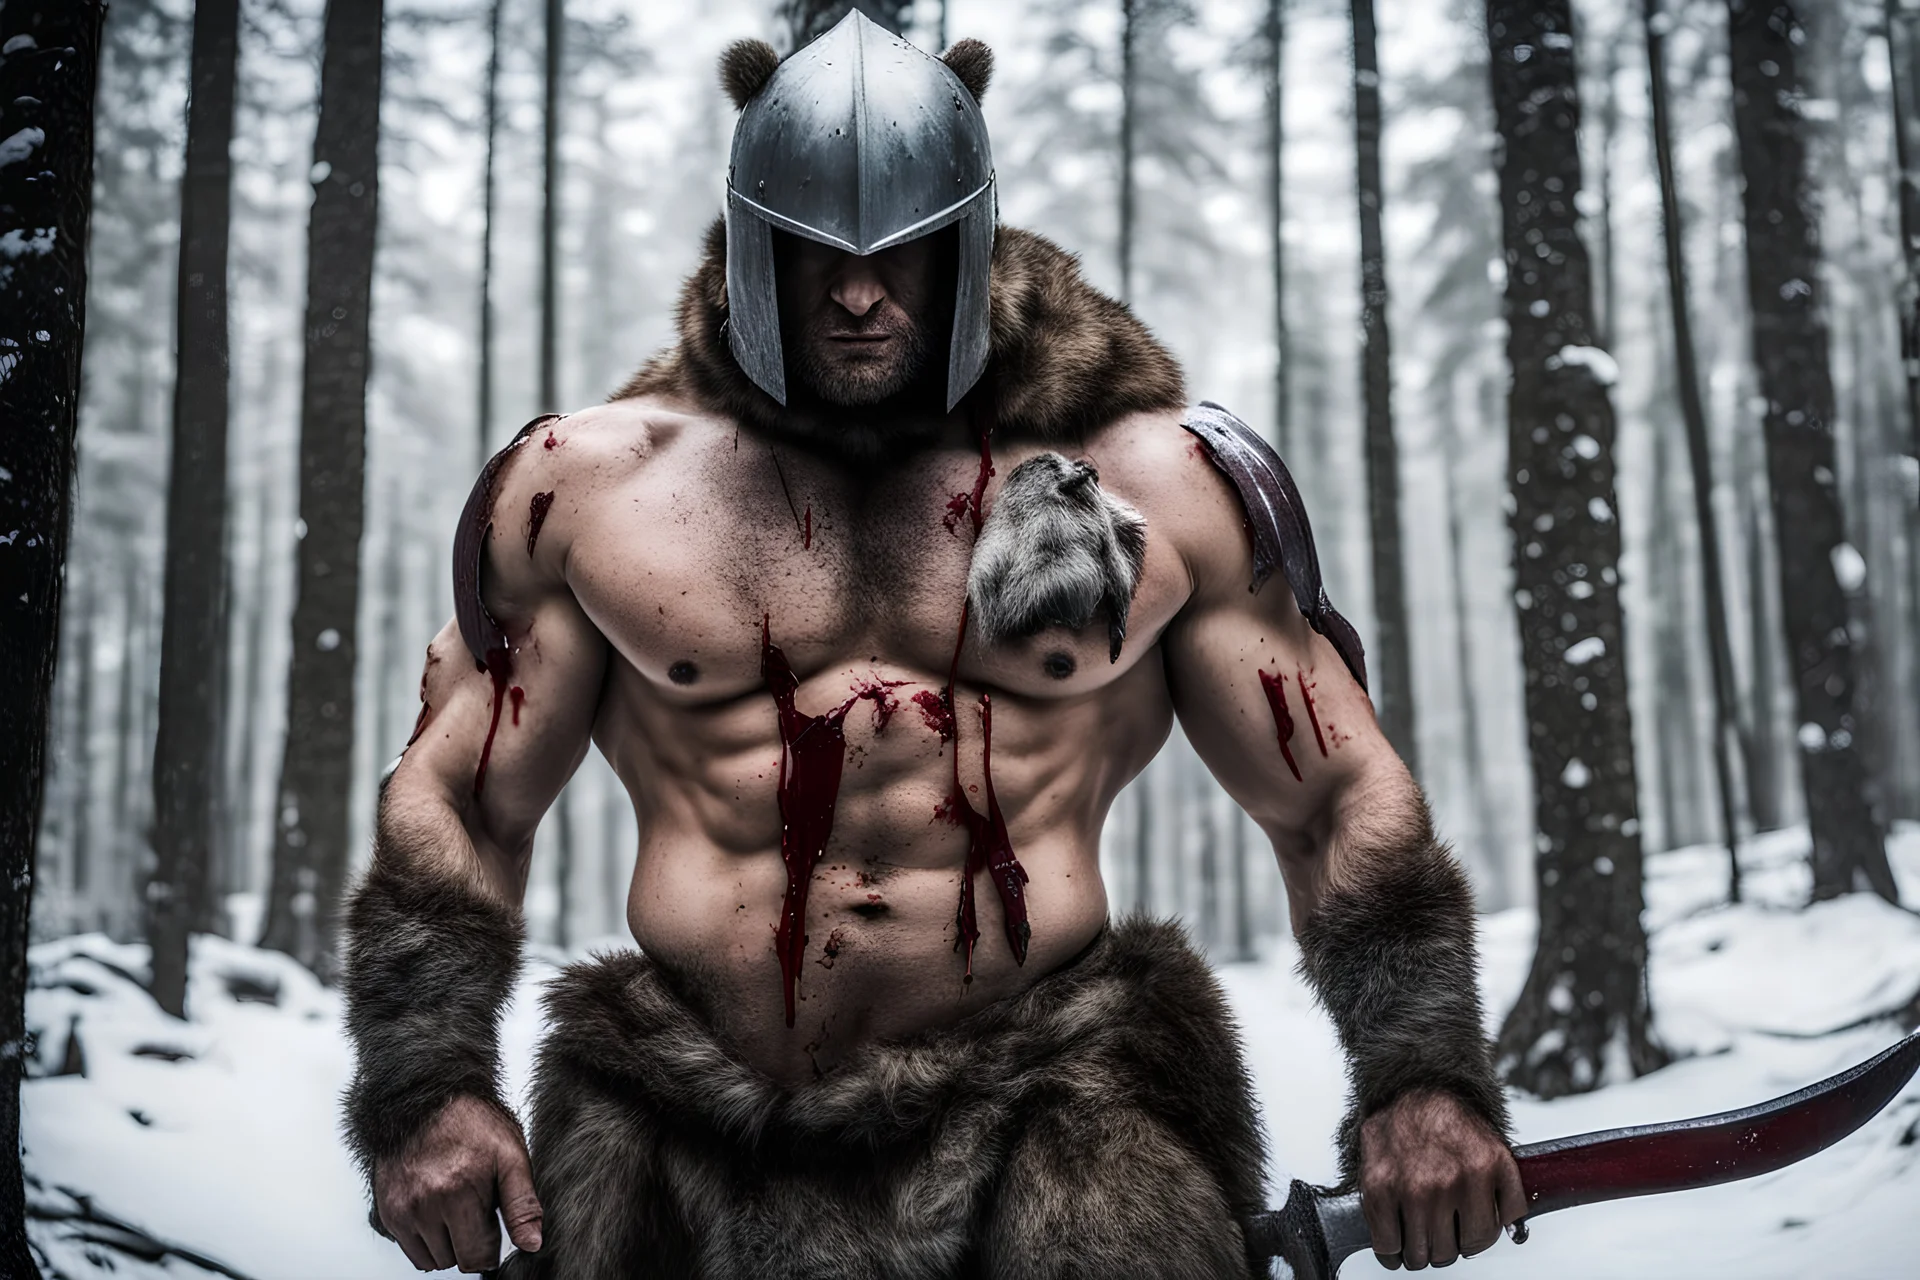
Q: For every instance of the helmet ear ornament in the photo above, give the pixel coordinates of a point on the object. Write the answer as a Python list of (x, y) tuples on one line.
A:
[(858, 141), (972, 61), (747, 65)]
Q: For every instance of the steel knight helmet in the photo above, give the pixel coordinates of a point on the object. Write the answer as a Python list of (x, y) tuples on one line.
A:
[(862, 142)]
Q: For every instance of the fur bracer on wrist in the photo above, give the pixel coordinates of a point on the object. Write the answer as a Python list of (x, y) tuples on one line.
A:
[(1390, 952), (429, 964)]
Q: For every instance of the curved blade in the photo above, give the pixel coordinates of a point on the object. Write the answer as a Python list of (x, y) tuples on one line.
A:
[(1682, 1154)]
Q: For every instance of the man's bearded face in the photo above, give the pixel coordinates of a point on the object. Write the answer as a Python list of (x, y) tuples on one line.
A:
[(857, 330)]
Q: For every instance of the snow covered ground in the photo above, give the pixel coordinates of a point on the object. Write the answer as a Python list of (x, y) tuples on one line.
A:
[(218, 1136)]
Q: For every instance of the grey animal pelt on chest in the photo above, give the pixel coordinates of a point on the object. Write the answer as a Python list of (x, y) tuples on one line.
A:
[(1055, 549), (1099, 1124)]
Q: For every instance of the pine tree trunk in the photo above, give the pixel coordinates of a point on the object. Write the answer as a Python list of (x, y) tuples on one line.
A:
[(1202, 796), (1606, 324), (1790, 354), (1499, 888), (1276, 34), (1391, 656), (1584, 1006), (252, 697), (1129, 86), (1694, 414), (391, 689), (550, 211), (483, 436), (1903, 51), (1860, 418), (47, 76), (1903, 55), (310, 853), (1239, 849), (563, 870), (80, 761), (1143, 842), (193, 632), (1675, 726), (122, 887), (1761, 742), (1764, 780)]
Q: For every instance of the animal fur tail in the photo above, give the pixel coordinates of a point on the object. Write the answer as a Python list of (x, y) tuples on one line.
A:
[(1391, 954), (429, 964), (1055, 550)]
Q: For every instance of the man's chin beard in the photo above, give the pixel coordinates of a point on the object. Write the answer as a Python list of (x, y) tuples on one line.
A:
[(861, 420), (842, 391)]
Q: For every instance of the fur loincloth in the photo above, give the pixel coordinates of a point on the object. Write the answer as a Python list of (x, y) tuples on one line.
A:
[(1099, 1124)]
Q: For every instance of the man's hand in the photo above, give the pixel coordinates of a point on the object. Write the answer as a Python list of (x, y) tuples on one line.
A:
[(437, 1198), (1435, 1182)]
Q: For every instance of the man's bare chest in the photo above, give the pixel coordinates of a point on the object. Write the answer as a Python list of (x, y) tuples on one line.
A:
[(683, 566), (686, 562)]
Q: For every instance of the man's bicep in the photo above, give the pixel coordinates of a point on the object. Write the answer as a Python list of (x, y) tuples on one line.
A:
[(1272, 709), (496, 745)]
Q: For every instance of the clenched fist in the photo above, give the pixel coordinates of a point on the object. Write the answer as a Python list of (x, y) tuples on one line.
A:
[(437, 1198), (1435, 1182)]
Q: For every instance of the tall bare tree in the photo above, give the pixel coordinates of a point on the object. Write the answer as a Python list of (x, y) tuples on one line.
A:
[(49, 58), (1392, 656), (1694, 414), (193, 632), (1791, 356), (1129, 126), (1903, 51), (1584, 1005), (1606, 319), (1453, 449), (1903, 54), (484, 435), (1275, 33), (310, 853)]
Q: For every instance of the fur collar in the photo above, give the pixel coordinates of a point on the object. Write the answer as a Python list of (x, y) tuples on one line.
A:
[(1064, 359)]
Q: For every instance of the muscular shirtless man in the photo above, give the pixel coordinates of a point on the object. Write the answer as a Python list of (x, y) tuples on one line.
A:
[(874, 592)]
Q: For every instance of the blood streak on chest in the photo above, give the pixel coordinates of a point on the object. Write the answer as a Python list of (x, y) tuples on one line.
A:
[(1276, 687), (880, 693), (813, 751), (934, 710), (989, 848)]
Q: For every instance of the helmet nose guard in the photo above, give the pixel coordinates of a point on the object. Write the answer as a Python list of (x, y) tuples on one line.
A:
[(862, 142)]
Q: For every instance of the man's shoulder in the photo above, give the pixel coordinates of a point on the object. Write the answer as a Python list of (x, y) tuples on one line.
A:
[(540, 491), (602, 442), (1155, 461), (1150, 457)]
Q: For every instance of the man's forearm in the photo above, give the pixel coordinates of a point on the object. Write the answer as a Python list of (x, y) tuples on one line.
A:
[(1390, 950), (430, 962)]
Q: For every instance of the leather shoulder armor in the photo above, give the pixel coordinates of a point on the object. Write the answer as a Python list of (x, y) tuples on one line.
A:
[(1277, 523), (477, 627)]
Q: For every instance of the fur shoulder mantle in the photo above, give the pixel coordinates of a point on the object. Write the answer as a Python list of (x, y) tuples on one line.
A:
[(1064, 359)]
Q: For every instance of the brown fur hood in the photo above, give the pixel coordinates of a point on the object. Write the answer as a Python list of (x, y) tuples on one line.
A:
[(1063, 358)]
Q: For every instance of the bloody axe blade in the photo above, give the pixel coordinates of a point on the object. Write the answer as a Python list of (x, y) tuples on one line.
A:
[(1317, 1229)]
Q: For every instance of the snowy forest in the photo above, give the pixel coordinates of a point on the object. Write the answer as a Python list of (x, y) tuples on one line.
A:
[(1590, 332)]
